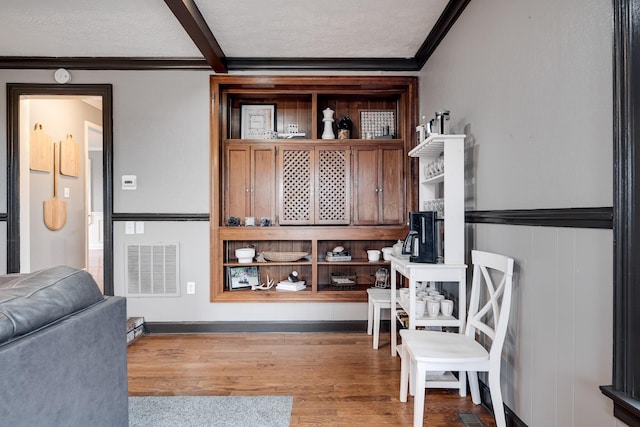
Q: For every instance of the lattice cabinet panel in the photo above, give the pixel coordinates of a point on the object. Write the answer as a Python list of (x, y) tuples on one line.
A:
[(296, 186), (333, 184)]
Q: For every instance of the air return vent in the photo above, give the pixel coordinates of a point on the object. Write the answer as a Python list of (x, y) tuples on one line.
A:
[(152, 270)]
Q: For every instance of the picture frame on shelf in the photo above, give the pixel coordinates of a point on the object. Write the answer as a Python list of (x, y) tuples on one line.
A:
[(242, 277), (377, 124), (257, 121)]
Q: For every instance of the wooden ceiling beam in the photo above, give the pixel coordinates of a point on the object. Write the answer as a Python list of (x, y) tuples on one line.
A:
[(194, 24), (449, 16)]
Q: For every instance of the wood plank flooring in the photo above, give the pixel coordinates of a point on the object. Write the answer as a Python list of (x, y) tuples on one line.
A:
[(336, 379)]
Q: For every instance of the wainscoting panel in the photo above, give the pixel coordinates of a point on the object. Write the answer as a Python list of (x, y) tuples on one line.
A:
[(561, 331)]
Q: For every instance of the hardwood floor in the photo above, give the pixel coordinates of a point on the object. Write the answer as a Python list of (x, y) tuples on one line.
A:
[(336, 379)]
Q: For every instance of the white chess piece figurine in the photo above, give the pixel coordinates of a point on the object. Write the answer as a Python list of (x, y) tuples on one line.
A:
[(328, 124)]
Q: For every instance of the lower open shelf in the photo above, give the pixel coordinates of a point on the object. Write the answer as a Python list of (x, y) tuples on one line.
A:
[(321, 276)]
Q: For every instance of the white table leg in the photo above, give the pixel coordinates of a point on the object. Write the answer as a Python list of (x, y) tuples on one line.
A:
[(369, 317), (392, 329), (418, 400), (376, 325)]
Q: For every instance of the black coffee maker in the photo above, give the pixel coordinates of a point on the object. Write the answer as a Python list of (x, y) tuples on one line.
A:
[(421, 244)]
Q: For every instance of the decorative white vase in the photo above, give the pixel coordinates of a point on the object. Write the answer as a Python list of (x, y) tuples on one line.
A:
[(328, 124)]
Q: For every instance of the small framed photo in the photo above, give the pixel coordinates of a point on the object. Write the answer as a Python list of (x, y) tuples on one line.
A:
[(243, 277), (257, 121)]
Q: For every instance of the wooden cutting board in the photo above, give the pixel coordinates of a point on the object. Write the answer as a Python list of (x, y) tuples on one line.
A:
[(69, 157), (40, 154), (55, 210)]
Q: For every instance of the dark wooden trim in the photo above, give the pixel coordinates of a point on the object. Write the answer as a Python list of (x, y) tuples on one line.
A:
[(625, 408), (233, 64), (14, 91), (234, 327), (569, 217), (625, 390), (439, 31), (323, 64), (160, 217), (13, 179), (101, 63), (107, 187), (194, 24), (511, 417)]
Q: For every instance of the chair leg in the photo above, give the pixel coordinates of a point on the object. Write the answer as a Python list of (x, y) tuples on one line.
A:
[(412, 377), (376, 325), (404, 375), (369, 318), (418, 400), (473, 385), (463, 383), (496, 399)]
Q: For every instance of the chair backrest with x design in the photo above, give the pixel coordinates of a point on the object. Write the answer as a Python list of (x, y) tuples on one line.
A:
[(492, 283)]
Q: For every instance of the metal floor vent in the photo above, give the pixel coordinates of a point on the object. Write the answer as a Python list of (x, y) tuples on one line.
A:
[(469, 419), (152, 270)]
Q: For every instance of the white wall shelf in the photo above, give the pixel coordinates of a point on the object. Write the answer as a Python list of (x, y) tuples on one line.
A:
[(448, 185)]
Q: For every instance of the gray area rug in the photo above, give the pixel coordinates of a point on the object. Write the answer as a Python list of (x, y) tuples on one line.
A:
[(201, 411)]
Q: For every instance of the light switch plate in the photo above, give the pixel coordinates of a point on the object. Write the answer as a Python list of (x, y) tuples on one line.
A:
[(191, 288), (129, 227), (139, 227), (129, 182)]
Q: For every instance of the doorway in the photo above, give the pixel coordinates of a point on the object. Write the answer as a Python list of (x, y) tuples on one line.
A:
[(15, 122), (94, 205)]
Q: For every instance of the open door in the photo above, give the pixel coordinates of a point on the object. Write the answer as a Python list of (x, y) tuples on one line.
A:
[(24, 222)]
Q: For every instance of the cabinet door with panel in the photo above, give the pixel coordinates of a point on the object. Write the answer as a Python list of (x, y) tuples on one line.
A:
[(296, 177), (250, 181), (365, 185), (391, 185), (378, 185), (333, 185)]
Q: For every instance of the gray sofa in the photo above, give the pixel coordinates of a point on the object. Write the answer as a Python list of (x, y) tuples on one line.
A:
[(63, 351)]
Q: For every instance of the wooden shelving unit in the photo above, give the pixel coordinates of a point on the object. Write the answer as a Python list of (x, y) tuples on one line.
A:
[(315, 193)]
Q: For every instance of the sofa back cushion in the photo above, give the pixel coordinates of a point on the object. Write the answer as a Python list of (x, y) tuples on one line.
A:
[(30, 301)]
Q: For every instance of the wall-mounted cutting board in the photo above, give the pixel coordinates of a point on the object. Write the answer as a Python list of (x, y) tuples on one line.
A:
[(40, 150), (55, 209), (69, 157)]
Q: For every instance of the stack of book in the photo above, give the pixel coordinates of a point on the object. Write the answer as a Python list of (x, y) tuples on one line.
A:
[(135, 328), (287, 285), (338, 256)]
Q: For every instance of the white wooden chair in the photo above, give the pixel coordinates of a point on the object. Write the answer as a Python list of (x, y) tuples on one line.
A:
[(424, 351), (378, 299)]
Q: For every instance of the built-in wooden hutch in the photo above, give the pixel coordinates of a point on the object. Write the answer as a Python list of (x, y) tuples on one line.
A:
[(314, 194)]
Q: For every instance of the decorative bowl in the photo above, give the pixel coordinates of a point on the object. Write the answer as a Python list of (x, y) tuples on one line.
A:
[(284, 256), (245, 255)]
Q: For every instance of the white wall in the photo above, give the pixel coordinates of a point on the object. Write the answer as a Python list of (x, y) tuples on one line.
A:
[(161, 134), (530, 83), (59, 117)]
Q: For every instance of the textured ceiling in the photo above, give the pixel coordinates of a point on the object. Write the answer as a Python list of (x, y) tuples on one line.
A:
[(121, 28), (242, 28), (321, 29)]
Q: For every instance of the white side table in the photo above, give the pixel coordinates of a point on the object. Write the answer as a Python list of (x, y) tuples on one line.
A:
[(421, 272)]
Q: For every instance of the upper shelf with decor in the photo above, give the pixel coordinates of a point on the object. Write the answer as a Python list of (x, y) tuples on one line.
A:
[(362, 108)]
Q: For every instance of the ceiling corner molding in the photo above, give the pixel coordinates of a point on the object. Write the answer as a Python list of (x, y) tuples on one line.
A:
[(325, 64), (194, 24), (101, 63), (449, 16)]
